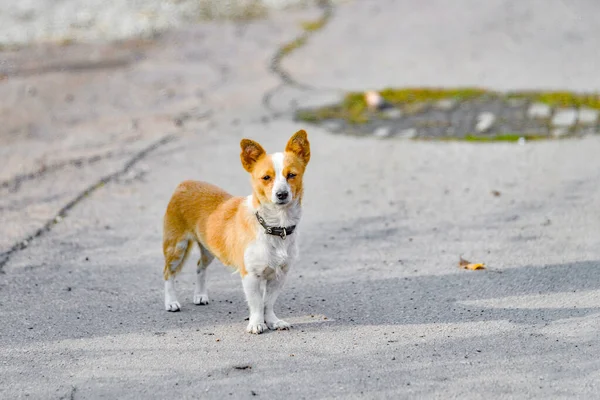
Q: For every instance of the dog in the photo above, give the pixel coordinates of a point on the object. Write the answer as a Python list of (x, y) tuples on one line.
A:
[(256, 235)]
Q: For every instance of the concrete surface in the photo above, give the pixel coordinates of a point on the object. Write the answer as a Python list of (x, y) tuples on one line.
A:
[(380, 308), (497, 44)]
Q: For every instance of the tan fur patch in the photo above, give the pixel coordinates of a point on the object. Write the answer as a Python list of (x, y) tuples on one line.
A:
[(213, 217)]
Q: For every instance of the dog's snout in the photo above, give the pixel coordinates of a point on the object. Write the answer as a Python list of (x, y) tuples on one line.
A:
[(282, 195)]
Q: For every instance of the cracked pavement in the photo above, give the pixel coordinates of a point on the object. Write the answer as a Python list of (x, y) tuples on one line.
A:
[(379, 307)]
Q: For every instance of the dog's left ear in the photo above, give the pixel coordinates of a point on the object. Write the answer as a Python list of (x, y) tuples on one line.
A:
[(299, 145)]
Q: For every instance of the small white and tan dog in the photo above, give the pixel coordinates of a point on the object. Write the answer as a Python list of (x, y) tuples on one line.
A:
[(256, 235)]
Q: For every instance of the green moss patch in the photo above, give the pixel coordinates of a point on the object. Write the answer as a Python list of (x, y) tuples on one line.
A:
[(560, 99), (503, 137), (293, 45), (244, 11), (309, 27), (353, 109), (422, 109)]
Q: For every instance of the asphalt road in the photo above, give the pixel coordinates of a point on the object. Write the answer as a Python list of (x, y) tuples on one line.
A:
[(379, 306)]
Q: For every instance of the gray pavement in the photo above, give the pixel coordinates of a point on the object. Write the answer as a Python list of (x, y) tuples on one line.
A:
[(379, 306)]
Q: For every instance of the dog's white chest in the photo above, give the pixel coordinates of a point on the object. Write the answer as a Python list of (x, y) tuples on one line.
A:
[(268, 255)]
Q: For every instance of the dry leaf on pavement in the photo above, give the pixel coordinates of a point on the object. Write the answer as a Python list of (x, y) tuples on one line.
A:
[(469, 265)]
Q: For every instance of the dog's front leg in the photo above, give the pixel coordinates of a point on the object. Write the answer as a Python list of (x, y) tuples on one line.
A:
[(254, 297), (272, 290)]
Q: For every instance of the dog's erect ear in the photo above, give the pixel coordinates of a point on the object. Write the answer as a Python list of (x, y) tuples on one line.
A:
[(299, 145), (251, 153)]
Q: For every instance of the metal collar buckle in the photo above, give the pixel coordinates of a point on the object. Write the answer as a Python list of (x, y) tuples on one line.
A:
[(281, 231)]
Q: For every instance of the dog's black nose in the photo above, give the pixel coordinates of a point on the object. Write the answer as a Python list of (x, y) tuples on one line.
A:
[(282, 195)]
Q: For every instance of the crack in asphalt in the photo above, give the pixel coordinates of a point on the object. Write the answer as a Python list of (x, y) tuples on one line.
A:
[(14, 184), (63, 212), (289, 47)]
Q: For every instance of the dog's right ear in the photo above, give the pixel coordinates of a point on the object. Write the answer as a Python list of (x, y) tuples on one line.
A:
[(251, 153)]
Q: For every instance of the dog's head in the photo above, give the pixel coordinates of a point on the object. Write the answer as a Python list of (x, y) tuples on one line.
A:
[(277, 178)]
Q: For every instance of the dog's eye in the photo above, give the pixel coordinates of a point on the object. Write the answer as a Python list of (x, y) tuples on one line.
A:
[(266, 178), (290, 175)]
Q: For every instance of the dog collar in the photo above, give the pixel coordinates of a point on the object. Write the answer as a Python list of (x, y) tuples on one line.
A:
[(282, 232)]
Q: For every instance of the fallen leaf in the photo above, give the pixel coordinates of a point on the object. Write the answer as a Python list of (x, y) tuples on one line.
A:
[(474, 267), (469, 265)]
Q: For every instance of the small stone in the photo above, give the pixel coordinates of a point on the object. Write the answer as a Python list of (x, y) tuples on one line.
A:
[(392, 113), (485, 121), (560, 132), (374, 100), (587, 116), (415, 108), (564, 118), (516, 102), (445, 104), (539, 110), (547, 222), (407, 133), (382, 131)]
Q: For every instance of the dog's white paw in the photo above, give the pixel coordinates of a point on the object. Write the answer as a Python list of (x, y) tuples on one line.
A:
[(256, 328), (173, 306), (279, 325), (200, 299)]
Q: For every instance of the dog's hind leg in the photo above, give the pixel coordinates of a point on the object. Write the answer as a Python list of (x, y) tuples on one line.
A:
[(176, 252), (201, 293)]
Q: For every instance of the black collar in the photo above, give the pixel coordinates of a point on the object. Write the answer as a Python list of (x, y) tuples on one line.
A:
[(282, 232)]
